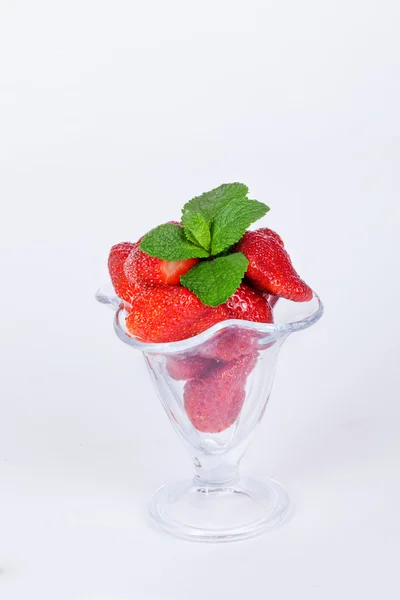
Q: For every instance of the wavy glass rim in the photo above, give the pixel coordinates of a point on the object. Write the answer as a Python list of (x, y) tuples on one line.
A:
[(277, 329)]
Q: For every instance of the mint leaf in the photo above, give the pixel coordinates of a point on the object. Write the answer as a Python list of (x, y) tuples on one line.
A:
[(232, 221), (197, 229), (216, 280), (169, 242), (210, 203), (191, 237)]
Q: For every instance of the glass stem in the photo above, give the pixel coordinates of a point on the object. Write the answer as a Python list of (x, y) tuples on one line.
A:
[(215, 469)]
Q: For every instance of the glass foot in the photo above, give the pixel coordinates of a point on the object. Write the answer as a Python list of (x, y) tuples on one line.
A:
[(236, 510)]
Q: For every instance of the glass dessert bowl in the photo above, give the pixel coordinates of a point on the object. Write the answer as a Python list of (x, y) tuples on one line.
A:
[(215, 387)]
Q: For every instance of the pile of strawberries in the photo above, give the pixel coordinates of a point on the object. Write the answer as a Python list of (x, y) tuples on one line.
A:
[(161, 310)]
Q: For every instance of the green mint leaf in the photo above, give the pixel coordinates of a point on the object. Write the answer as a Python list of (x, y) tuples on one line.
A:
[(197, 229), (210, 203), (169, 242), (215, 281), (190, 237), (232, 221)]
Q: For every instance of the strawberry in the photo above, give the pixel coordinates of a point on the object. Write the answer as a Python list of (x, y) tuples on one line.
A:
[(270, 268), (188, 367), (212, 316), (156, 271), (269, 233), (249, 305), (229, 344), (129, 267), (172, 313), (212, 409), (165, 314), (116, 260), (245, 304), (214, 401), (171, 271)]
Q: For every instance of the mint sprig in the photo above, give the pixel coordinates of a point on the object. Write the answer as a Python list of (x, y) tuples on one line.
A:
[(210, 203), (169, 242), (211, 226), (196, 229), (216, 280), (232, 221)]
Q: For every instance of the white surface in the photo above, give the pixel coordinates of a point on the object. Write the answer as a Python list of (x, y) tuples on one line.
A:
[(112, 116)]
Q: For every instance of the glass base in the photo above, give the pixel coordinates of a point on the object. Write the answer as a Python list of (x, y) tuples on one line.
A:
[(226, 512)]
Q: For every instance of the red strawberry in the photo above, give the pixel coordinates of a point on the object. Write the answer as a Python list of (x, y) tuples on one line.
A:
[(187, 368), (229, 344), (269, 233), (155, 271), (212, 414), (172, 313), (245, 304), (129, 267), (248, 305), (116, 260), (165, 314), (213, 402), (212, 316), (270, 268), (169, 271)]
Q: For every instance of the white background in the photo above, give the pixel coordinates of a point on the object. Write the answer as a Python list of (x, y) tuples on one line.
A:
[(113, 114)]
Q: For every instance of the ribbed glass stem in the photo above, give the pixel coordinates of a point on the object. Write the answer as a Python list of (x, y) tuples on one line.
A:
[(215, 469)]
